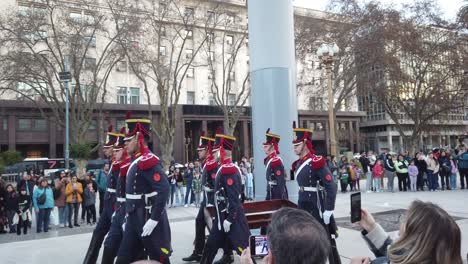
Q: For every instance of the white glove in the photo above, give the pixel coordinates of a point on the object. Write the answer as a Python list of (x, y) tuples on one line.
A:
[(124, 222), (227, 226), (326, 217), (148, 227)]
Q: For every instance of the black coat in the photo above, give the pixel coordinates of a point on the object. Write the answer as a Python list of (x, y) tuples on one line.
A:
[(11, 201), (365, 163)]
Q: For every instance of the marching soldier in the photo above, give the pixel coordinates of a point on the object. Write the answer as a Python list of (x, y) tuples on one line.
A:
[(230, 223), (146, 193), (209, 168), (104, 222), (275, 175), (119, 171), (317, 190)]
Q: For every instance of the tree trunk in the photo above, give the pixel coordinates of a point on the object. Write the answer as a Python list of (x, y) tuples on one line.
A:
[(167, 147), (80, 168)]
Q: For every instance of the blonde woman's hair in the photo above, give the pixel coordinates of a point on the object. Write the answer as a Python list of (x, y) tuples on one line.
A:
[(430, 236)]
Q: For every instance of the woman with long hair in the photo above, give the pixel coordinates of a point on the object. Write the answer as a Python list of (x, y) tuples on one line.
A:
[(423, 239)]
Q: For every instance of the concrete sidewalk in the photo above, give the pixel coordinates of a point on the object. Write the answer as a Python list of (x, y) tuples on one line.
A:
[(59, 247)]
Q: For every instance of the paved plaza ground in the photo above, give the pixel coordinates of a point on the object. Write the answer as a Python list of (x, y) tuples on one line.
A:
[(64, 245)]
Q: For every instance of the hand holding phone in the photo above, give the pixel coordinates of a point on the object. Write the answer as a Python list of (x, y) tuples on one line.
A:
[(258, 245)]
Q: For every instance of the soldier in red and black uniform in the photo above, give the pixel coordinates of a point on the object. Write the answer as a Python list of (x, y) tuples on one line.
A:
[(119, 169), (230, 223), (104, 222), (146, 194), (209, 168), (275, 175), (312, 176), (317, 190)]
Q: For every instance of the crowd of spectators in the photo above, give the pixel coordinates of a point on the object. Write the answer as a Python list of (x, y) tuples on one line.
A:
[(438, 169), (35, 197)]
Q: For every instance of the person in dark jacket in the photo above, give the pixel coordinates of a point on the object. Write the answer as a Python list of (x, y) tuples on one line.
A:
[(24, 204), (11, 206), (389, 165), (422, 168), (3, 216), (463, 166), (445, 170), (365, 163), (90, 203), (188, 178)]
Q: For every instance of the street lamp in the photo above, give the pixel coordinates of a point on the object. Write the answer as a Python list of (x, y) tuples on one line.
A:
[(327, 54), (65, 77)]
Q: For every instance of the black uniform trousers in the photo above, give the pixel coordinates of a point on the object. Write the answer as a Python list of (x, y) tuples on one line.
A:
[(102, 228), (218, 239), (133, 242), (200, 225), (114, 237)]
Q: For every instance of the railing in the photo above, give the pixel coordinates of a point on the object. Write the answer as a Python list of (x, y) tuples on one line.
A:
[(9, 178)]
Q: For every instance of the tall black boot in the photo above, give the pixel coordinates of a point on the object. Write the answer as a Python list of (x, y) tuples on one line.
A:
[(93, 250), (108, 255)]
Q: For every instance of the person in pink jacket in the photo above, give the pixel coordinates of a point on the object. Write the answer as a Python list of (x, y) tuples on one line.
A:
[(378, 172)]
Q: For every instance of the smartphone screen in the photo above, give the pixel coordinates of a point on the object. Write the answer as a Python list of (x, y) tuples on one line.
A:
[(355, 207), (258, 246)]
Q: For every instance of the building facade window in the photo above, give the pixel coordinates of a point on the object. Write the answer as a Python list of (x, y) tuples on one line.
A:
[(24, 124), (231, 99), (4, 123), (39, 125), (230, 39), (162, 51), (188, 53), (121, 66), (211, 99), (232, 76), (188, 34), (191, 98), (122, 95), (120, 123), (134, 95), (316, 103), (190, 72)]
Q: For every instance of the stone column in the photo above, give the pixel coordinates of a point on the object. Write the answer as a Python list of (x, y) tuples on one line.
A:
[(245, 138), (273, 80), (204, 125), (390, 141), (400, 138), (52, 138), (11, 132)]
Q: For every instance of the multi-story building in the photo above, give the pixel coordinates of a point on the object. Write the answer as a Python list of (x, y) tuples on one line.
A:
[(40, 134), (425, 91)]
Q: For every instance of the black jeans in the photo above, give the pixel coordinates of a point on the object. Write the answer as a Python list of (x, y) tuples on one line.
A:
[(444, 179), (24, 224), (73, 209), (464, 177), (43, 220), (420, 181), (402, 181), (90, 212)]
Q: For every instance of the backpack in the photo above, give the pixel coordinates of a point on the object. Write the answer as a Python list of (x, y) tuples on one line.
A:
[(42, 198)]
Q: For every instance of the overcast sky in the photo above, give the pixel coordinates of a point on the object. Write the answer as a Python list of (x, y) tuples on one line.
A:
[(449, 7)]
